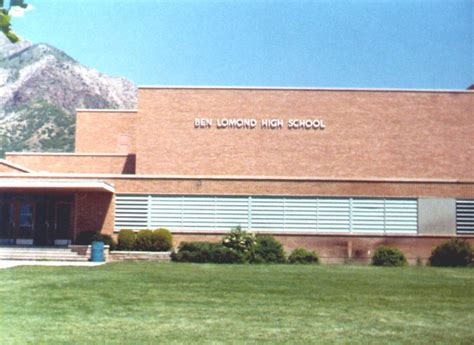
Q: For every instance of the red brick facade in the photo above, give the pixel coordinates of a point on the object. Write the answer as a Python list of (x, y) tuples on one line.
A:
[(105, 131), (344, 248), (108, 163), (368, 134)]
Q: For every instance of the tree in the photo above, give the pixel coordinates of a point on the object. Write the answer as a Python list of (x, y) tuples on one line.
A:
[(5, 18)]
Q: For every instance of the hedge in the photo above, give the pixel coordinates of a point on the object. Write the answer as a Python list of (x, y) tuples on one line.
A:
[(206, 252)]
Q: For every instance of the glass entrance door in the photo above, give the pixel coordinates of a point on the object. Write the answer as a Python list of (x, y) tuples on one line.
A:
[(63, 223), (25, 223), (41, 224), (6, 223), (36, 219)]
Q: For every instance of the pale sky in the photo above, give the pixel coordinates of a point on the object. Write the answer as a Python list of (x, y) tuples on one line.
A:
[(362, 44)]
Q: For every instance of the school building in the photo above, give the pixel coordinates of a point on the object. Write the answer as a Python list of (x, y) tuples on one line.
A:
[(337, 170)]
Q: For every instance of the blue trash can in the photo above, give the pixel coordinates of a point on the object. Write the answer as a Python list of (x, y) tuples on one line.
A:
[(97, 251)]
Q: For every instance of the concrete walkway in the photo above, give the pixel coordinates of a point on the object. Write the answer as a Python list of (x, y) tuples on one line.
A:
[(14, 263)]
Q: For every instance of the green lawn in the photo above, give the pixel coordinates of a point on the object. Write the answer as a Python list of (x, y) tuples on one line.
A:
[(135, 303)]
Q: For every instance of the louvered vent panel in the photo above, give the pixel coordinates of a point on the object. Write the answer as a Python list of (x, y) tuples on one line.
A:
[(267, 214), (465, 216), (291, 214), (301, 214), (131, 211), (333, 215), (368, 215), (401, 216)]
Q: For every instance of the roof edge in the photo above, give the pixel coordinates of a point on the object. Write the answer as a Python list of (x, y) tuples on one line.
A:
[(32, 183), (64, 154), (243, 178), (91, 110), (285, 88), (15, 166)]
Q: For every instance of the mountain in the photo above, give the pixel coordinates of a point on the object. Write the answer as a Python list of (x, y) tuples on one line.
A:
[(40, 88)]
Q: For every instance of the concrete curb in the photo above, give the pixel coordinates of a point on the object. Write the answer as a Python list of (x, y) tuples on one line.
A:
[(16, 263)]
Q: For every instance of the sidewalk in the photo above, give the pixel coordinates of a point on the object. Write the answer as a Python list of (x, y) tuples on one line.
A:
[(14, 263)]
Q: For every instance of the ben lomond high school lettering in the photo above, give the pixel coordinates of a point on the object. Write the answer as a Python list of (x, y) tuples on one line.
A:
[(234, 123)]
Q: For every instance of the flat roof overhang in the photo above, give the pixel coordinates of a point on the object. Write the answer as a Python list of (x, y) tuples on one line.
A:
[(56, 185)]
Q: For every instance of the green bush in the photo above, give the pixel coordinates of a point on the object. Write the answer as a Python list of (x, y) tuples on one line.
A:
[(239, 240), (144, 241), (162, 240), (86, 238), (202, 252), (267, 250), (107, 239), (303, 256), (126, 240), (388, 256), (455, 252)]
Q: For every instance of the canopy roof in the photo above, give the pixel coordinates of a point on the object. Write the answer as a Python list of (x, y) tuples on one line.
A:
[(57, 185)]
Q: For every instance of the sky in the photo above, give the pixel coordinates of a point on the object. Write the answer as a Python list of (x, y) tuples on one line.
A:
[(408, 44)]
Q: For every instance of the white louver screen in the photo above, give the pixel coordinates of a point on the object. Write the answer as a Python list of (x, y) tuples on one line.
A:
[(401, 216), (310, 214), (333, 215), (131, 211), (465, 216)]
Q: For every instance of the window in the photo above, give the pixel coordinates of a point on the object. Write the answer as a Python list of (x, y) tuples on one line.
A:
[(26, 221)]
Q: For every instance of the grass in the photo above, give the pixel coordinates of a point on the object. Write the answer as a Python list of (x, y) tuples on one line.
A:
[(140, 303)]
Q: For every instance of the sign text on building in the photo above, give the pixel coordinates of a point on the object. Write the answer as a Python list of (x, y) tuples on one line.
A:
[(239, 123)]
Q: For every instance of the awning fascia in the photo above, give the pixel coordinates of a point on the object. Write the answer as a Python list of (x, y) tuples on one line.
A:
[(56, 185)]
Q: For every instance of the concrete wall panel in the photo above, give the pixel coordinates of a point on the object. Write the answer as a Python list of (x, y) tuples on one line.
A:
[(437, 216)]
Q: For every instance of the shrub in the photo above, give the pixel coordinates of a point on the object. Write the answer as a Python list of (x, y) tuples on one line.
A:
[(202, 252), (455, 252), (388, 256), (107, 239), (144, 241), (223, 255), (162, 240), (85, 237), (126, 240), (303, 256), (239, 240), (267, 250)]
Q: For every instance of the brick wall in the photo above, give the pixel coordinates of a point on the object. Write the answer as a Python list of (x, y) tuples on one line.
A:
[(252, 186), (340, 249), (75, 163), (111, 131), (94, 212), (6, 168), (368, 133), (208, 186), (103, 202)]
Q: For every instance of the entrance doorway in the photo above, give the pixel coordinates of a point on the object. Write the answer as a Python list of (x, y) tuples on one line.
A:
[(6, 223), (24, 219), (40, 220), (63, 223)]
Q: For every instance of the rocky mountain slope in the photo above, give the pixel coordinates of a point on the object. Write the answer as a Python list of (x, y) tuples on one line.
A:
[(40, 88)]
